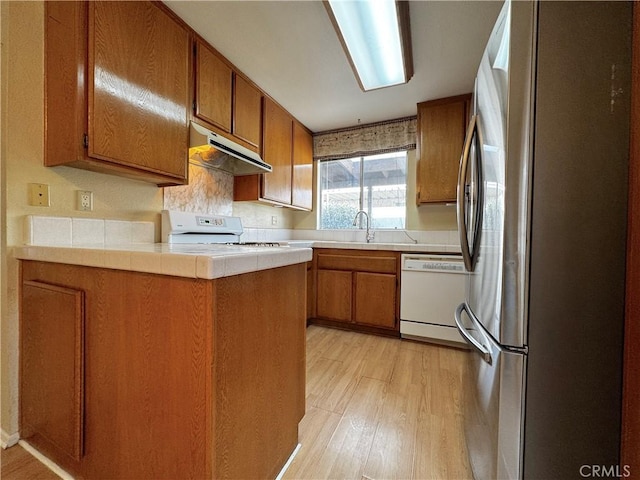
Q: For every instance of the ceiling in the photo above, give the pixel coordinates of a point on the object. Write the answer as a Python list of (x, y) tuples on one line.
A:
[(290, 50)]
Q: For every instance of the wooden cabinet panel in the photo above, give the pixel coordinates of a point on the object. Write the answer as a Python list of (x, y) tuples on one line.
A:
[(288, 146), (52, 367), (65, 100), (357, 289), (181, 380), (311, 291), (302, 186), (213, 88), (334, 297), (138, 87), (117, 89), (278, 134), (441, 130), (247, 112), (260, 365), (375, 299), (363, 262)]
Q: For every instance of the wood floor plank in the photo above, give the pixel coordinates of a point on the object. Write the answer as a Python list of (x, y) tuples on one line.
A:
[(440, 451), (18, 464), (321, 378), (350, 349), (347, 452), (380, 354), (316, 430), (394, 442)]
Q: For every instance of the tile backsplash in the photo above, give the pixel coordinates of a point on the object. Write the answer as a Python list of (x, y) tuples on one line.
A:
[(68, 231), (209, 191)]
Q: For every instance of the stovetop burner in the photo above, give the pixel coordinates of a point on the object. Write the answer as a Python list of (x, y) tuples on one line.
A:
[(257, 244)]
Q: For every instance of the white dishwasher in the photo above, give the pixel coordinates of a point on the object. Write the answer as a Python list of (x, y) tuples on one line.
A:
[(431, 286)]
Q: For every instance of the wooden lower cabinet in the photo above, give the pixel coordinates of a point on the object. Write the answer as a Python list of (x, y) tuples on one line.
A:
[(52, 368), (135, 375), (375, 299), (357, 289), (334, 295)]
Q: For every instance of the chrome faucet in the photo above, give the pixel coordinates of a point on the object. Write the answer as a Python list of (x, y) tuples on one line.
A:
[(355, 220)]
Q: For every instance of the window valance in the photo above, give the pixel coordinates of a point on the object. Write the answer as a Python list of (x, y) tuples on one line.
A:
[(362, 140)]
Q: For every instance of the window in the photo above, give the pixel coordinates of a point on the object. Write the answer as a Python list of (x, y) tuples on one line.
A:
[(376, 184)]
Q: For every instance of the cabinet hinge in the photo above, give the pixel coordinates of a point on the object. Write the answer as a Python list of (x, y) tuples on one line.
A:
[(193, 106), (85, 140)]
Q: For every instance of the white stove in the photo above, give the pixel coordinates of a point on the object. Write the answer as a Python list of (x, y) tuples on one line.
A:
[(203, 228)]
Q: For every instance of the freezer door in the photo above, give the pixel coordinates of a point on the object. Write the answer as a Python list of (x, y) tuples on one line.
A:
[(493, 403)]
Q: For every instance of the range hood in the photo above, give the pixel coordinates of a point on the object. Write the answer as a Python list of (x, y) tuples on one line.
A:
[(214, 151)]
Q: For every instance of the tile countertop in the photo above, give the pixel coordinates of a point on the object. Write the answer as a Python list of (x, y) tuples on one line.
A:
[(201, 261), (128, 245), (180, 260), (395, 247)]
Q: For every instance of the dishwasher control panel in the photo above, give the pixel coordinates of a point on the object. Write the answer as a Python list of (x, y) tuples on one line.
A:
[(446, 263)]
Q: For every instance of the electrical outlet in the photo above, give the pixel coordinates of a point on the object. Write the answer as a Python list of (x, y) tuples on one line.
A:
[(39, 195), (274, 220), (85, 200)]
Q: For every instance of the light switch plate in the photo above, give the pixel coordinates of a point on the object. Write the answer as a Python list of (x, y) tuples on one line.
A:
[(39, 195), (85, 200)]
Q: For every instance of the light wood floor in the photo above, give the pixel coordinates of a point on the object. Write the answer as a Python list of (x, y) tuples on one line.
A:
[(380, 408), (377, 408), (18, 464)]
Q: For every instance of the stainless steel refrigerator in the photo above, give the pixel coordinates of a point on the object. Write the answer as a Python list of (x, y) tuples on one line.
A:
[(542, 215)]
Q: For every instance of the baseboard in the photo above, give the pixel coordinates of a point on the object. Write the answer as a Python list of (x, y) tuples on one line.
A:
[(7, 440), (288, 463), (48, 463)]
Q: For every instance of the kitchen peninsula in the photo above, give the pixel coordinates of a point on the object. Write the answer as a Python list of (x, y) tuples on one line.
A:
[(141, 361)]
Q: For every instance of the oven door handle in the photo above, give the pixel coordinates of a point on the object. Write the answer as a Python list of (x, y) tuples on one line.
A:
[(477, 346)]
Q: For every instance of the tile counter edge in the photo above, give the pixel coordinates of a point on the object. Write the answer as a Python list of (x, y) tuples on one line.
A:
[(155, 258)]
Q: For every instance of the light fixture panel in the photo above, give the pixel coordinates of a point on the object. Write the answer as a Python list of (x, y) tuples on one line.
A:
[(374, 36)]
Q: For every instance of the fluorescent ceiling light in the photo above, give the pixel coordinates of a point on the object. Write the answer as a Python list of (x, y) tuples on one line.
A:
[(376, 37)]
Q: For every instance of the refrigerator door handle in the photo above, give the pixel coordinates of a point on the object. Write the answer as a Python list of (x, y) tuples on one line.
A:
[(481, 349), (461, 204)]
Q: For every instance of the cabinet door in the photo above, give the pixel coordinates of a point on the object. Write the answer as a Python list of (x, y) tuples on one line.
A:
[(375, 299), (247, 112), (334, 295), (65, 69), (139, 87), (302, 186), (278, 133), (441, 129), (52, 368), (213, 88)]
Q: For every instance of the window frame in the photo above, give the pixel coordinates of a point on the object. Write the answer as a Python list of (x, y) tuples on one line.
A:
[(361, 192)]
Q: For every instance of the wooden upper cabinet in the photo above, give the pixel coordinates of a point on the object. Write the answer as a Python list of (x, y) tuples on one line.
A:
[(117, 89), (214, 79), (441, 130), (225, 100), (302, 186), (278, 134), (247, 111), (288, 146)]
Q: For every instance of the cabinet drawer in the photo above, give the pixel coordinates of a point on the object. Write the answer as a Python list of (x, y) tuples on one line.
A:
[(364, 263)]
